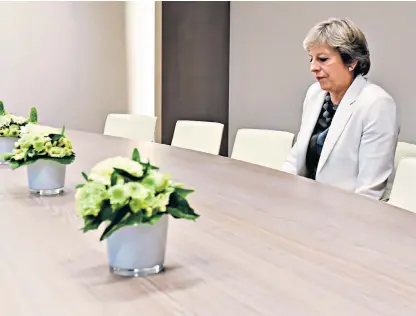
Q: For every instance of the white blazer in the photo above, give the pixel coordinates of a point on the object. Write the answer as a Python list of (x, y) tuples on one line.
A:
[(358, 153)]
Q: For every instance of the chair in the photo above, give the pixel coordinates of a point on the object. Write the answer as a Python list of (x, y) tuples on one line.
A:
[(403, 150), (199, 136), (135, 127), (267, 148), (403, 190)]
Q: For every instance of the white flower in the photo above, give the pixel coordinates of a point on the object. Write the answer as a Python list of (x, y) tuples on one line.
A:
[(5, 120), (38, 129), (10, 120), (25, 129), (18, 119), (102, 171)]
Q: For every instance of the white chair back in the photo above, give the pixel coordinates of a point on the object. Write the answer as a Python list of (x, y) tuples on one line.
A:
[(403, 150), (267, 148), (199, 136), (135, 127), (404, 185)]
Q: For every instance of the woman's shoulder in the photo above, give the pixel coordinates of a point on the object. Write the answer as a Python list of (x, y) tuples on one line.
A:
[(374, 101), (374, 92)]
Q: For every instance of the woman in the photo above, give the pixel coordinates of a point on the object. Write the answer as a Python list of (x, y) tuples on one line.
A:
[(349, 128)]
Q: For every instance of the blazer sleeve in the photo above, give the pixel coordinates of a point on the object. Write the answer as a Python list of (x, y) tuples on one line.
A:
[(290, 163), (377, 148)]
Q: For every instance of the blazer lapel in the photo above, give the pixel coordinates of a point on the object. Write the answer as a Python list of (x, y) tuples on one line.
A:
[(341, 118)]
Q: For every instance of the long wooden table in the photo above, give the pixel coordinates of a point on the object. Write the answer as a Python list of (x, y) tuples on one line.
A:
[(267, 243)]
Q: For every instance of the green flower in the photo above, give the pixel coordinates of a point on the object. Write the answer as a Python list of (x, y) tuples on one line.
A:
[(14, 127), (65, 142), (137, 190), (135, 205), (141, 197), (156, 181), (56, 152), (89, 198), (46, 148), (31, 153), (67, 151), (161, 201), (48, 145), (20, 155), (118, 194), (13, 133), (149, 211), (39, 144)]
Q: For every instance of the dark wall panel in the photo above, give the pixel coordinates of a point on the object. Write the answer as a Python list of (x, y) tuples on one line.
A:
[(195, 64)]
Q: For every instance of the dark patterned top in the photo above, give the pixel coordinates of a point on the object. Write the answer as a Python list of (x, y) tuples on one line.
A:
[(319, 135)]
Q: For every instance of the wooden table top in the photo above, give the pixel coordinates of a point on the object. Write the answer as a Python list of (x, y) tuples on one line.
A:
[(267, 243)]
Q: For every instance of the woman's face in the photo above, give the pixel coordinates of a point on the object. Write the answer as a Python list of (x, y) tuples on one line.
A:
[(329, 69)]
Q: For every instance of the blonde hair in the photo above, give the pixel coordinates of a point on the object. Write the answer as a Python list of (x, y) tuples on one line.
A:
[(344, 36)]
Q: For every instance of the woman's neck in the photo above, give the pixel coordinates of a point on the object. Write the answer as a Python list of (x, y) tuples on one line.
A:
[(336, 97)]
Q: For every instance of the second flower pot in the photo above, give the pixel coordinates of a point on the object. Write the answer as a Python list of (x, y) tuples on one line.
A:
[(46, 177), (6, 146)]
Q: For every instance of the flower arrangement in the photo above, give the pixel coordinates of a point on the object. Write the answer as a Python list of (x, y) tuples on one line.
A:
[(124, 192), (10, 125), (40, 142)]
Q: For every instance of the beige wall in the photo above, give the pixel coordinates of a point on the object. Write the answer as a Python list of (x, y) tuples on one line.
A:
[(269, 71), (66, 58)]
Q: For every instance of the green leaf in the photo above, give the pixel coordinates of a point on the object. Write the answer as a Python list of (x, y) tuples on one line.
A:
[(148, 167), (106, 212), (33, 116), (79, 186), (126, 175), (55, 137), (183, 193), (179, 205), (6, 156), (118, 216), (155, 218), (19, 163), (174, 199), (14, 165), (91, 223), (113, 178), (182, 213), (180, 208), (2, 110), (133, 219), (63, 131), (136, 155), (176, 213), (85, 176)]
